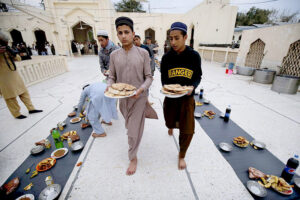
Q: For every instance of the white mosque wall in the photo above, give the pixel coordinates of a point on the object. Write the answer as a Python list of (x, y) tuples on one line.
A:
[(213, 22), (41, 68), (277, 41)]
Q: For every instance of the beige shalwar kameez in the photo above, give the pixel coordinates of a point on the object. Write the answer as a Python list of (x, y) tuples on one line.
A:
[(12, 85), (133, 67)]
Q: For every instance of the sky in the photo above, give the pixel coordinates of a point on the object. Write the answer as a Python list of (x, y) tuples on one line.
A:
[(182, 6)]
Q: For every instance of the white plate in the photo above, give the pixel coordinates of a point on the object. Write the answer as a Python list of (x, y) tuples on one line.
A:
[(74, 122), (30, 196), (173, 95), (119, 97), (66, 151)]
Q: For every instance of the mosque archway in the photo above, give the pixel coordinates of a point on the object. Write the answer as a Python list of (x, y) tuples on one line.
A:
[(16, 36), (150, 34), (83, 34), (40, 37)]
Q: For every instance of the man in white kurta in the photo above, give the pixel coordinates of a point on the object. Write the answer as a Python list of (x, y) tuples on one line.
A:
[(131, 65), (98, 106)]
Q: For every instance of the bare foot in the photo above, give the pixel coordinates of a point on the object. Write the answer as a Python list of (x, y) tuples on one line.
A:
[(109, 123), (95, 135), (170, 132), (132, 167), (181, 164)]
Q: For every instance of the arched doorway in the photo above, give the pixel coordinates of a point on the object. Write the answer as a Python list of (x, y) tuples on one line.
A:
[(16, 36), (255, 54), (150, 34), (83, 35), (41, 40), (291, 62), (167, 45), (192, 38)]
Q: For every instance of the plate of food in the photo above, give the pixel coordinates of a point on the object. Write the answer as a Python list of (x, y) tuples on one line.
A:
[(45, 164), (281, 186), (256, 174), (26, 197), (240, 141), (72, 114), (59, 153), (209, 113), (175, 90), (75, 120), (120, 90), (50, 192), (65, 135), (225, 146)]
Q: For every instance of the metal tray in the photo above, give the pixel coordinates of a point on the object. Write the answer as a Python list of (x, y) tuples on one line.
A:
[(225, 146), (259, 144), (256, 189), (37, 149), (76, 146), (51, 192)]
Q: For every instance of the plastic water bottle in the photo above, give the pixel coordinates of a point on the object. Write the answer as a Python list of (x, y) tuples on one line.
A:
[(290, 168), (227, 114), (57, 140), (201, 93)]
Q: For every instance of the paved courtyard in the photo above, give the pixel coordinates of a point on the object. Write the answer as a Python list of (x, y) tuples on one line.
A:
[(266, 115)]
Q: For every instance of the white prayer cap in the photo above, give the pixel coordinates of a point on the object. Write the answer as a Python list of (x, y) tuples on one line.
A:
[(102, 33)]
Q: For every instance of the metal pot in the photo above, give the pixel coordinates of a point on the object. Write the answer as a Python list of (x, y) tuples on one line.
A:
[(264, 76), (286, 84), (246, 71)]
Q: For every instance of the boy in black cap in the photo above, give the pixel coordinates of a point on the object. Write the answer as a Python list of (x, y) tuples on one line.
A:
[(181, 65), (131, 65)]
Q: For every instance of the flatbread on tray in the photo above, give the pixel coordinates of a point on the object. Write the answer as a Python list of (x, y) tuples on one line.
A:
[(175, 89), (120, 90)]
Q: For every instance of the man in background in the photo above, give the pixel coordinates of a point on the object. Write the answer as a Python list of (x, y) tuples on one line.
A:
[(11, 83), (107, 47)]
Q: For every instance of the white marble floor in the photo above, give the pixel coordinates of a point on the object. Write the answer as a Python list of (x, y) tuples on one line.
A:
[(268, 116)]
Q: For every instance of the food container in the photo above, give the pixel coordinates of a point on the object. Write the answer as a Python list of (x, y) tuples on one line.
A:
[(246, 71), (47, 144), (49, 180), (286, 84), (264, 76)]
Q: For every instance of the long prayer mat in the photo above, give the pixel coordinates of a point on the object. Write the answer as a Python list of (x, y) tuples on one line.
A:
[(241, 159), (60, 172)]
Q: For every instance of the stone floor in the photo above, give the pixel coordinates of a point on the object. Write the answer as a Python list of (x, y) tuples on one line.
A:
[(266, 115)]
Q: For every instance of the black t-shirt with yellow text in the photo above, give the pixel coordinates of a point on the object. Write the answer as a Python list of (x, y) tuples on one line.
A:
[(183, 68)]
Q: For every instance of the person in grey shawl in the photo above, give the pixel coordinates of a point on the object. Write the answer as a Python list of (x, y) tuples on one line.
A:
[(107, 47)]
